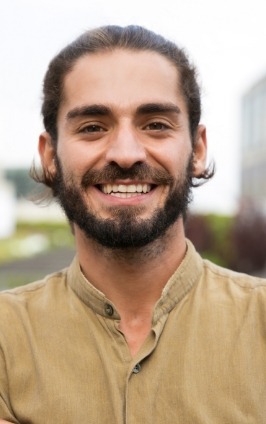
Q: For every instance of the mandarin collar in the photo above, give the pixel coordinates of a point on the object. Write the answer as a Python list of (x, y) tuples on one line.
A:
[(184, 278)]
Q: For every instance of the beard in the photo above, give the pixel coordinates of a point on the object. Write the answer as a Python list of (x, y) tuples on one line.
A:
[(124, 230)]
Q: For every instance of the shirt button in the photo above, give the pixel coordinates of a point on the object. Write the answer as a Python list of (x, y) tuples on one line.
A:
[(109, 310), (136, 369)]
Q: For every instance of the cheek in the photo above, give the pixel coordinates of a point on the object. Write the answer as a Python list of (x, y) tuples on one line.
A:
[(71, 163), (80, 157), (174, 156), (177, 165)]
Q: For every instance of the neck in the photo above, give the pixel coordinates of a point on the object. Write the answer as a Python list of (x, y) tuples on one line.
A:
[(120, 273), (133, 279)]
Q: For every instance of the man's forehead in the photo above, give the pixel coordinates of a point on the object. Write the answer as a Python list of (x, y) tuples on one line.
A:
[(121, 61), (122, 75)]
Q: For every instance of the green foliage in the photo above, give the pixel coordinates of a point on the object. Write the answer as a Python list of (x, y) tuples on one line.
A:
[(222, 248), (32, 238), (211, 236), (236, 242), (10, 281)]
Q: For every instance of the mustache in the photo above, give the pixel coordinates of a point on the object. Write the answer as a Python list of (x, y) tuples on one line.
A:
[(139, 171)]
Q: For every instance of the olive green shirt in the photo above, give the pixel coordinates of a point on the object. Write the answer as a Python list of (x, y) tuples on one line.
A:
[(64, 361)]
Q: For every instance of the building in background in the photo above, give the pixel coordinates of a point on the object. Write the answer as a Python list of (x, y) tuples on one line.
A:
[(253, 165), (7, 208)]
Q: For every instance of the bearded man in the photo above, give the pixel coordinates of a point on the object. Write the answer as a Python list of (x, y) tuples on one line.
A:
[(139, 328)]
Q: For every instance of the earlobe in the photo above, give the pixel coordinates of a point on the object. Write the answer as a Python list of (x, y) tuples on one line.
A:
[(47, 153), (200, 152)]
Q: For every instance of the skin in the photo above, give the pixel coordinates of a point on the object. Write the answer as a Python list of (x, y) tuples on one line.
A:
[(124, 83)]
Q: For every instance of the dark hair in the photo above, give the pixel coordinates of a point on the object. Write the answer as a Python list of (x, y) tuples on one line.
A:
[(109, 38)]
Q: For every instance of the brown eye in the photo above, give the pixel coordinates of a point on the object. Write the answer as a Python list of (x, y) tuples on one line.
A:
[(92, 129), (157, 126)]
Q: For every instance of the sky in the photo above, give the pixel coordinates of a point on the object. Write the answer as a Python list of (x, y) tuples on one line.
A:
[(225, 40)]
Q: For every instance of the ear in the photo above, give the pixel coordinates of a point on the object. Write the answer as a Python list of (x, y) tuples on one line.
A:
[(200, 151), (47, 153)]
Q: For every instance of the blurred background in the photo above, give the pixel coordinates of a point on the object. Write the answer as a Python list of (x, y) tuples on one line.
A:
[(226, 42)]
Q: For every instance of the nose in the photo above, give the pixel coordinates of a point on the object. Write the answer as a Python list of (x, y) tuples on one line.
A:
[(125, 147)]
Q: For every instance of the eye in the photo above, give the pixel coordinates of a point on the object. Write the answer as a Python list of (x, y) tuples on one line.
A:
[(157, 126), (92, 128)]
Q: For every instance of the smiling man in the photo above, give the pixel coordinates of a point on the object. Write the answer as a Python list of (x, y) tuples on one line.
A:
[(139, 328)]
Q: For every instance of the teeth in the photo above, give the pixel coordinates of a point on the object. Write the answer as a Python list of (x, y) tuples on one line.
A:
[(124, 195), (145, 188), (123, 190), (131, 188)]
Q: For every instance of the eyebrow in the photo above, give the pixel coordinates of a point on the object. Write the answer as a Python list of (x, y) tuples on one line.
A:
[(102, 110), (90, 110), (151, 108)]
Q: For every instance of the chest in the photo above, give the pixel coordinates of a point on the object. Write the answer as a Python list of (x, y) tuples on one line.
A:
[(194, 370)]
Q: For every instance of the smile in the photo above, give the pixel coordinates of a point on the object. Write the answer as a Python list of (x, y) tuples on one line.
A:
[(125, 190)]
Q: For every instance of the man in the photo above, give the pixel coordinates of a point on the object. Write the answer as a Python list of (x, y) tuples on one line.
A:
[(139, 329)]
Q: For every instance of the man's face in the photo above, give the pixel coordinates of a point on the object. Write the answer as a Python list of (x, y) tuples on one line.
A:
[(124, 153)]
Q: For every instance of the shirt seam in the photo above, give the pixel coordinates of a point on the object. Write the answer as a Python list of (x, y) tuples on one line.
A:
[(230, 277)]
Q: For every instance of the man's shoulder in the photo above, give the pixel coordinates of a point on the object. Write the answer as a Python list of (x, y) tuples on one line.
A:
[(228, 276), (34, 290)]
